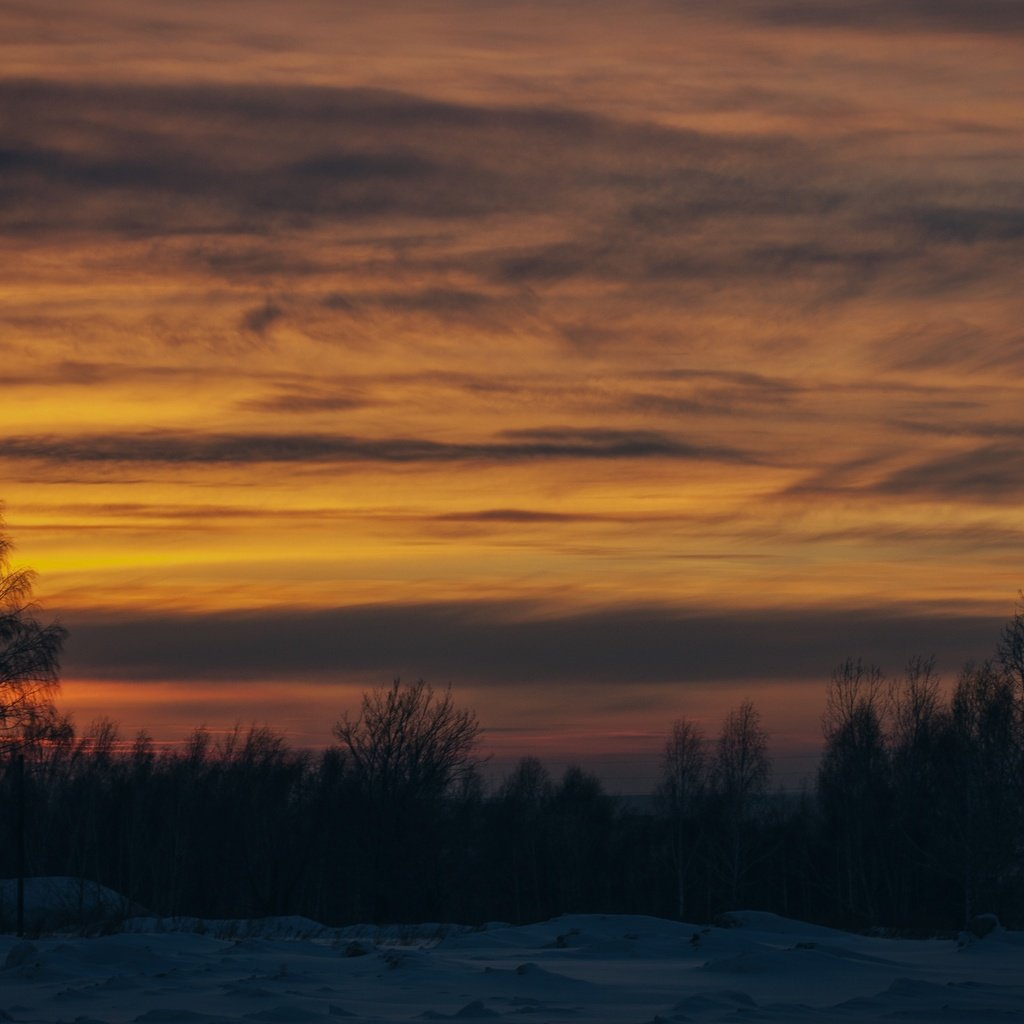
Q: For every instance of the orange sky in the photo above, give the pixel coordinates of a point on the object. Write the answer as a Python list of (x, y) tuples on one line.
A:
[(613, 363)]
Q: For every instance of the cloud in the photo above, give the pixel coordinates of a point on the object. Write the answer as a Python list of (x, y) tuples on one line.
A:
[(61, 374), (262, 318), (297, 152), (502, 643), (233, 178), (163, 151), (581, 442), (991, 473), (997, 16), (955, 344), (294, 399), (514, 446), (832, 258), (690, 196), (77, 373), (715, 393), (520, 515), (968, 225), (971, 537), (341, 165), (984, 474), (480, 308), (446, 304), (180, 159), (965, 428)]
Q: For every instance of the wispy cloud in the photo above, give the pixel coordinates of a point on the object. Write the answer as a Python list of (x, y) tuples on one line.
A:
[(637, 203), (996, 16), (260, 319), (960, 345), (992, 473), (75, 373), (294, 399), (514, 446)]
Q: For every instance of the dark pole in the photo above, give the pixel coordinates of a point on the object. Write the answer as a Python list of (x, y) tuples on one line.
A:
[(20, 782)]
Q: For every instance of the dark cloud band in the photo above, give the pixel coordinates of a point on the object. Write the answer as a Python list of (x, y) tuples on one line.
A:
[(512, 446), (515, 643), (903, 15)]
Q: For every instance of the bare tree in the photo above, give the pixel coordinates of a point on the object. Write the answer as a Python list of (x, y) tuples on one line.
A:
[(919, 730), (915, 704), (741, 775), (1010, 651), (985, 785), (524, 821), (684, 781), (583, 816), (29, 651), (854, 790), (406, 755), (410, 742), (856, 691)]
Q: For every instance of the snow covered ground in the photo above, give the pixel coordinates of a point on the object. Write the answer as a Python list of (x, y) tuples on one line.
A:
[(575, 968)]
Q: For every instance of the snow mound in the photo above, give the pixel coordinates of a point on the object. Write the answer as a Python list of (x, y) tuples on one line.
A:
[(599, 969), (59, 902), (586, 934), (774, 924), (366, 936)]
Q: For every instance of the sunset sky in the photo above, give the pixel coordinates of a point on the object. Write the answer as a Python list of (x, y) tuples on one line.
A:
[(611, 362)]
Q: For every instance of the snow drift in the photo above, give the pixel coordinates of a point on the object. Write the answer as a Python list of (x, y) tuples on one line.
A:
[(574, 968)]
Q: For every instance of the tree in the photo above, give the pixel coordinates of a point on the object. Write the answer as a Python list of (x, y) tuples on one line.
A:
[(523, 821), (406, 755), (741, 775), (29, 651), (986, 755), (919, 737), (583, 814), (1010, 651), (410, 743), (684, 781), (854, 790)]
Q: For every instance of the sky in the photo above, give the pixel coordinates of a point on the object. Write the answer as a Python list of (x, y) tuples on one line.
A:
[(612, 363)]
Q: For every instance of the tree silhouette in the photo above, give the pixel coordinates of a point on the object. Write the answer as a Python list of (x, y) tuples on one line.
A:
[(740, 777), (919, 745), (523, 819), (408, 742), (1010, 652), (854, 786), (686, 770), (985, 786), (29, 652), (406, 754)]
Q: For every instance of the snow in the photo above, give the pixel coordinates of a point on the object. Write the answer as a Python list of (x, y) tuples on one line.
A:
[(583, 967), (56, 902)]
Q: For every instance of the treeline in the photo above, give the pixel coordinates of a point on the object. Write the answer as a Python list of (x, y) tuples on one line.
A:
[(915, 820)]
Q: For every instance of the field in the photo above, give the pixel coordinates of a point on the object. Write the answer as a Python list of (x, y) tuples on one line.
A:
[(755, 967)]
